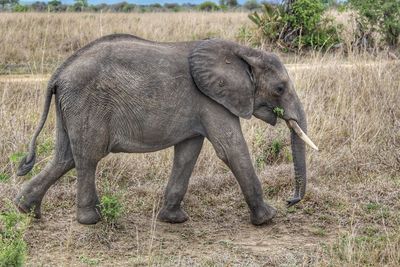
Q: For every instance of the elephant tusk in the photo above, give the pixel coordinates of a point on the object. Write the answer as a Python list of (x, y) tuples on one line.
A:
[(293, 124)]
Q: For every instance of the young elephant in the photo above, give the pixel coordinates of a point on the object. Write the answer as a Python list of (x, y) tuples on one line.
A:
[(122, 93)]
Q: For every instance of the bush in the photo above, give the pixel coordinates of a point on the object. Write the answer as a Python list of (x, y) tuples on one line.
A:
[(303, 26), (208, 6), (382, 16), (20, 8), (251, 4), (111, 209), (172, 6), (228, 3), (13, 248)]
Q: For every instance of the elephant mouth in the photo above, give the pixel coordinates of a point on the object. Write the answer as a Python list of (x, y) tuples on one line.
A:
[(265, 113), (292, 124), (272, 120)]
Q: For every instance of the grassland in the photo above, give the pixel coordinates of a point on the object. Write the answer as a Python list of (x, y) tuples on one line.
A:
[(350, 216)]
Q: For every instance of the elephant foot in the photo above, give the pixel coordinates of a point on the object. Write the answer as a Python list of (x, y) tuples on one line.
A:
[(172, 216), (29, 205), (88, 215), (263, 215)]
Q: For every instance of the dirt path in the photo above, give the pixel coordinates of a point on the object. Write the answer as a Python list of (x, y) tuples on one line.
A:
[(21, 78)]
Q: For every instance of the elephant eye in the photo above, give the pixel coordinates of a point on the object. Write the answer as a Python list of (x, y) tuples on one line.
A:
[(280, 90)]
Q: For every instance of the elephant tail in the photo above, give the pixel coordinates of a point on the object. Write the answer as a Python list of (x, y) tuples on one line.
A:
[(28, 161)]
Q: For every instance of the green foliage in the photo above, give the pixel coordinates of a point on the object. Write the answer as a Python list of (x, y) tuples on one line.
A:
[(80, 5), (270, 22), (228, 3), (4, 177), (17, 156), (55, 6), (89, 261), (20, 8), (279, 112), (111, 208), (13, 248), (8, 3), (173, 7), (272, 153), (45, 148), (251, 5), (382, 16), (208, 6), (305, 15), (303, 26)]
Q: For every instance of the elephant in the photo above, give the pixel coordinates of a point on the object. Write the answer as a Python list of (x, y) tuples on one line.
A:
[(122, 93)]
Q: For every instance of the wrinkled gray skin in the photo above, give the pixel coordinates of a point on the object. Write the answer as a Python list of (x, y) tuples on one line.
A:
[(121, 93)]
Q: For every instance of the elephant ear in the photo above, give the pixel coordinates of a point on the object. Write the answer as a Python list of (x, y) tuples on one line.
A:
[(221, 74)]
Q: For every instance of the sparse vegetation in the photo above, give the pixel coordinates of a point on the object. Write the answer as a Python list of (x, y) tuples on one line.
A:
[(111, 209), (4, 177), (303, 26), (381, 17), (13, 248), (350, 214), (208, 6), (279, 112)]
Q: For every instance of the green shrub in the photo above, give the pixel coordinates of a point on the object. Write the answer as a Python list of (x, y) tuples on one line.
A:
[(13, 248), (382, 16), (20, 8), (279, 112), (4, 177), (17, 157), (111, 208), (208, 6), (251, 5), (303, 26), (272, 153)]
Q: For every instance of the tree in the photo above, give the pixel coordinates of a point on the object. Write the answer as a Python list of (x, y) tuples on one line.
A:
[(208, 6), (20, 8), (288, 5), (54, 5), (8, 3), (382, 16), (80, 5), (251, 4), (172, 6), (39, 6), (302, 26), (232, 3), (228, 3)]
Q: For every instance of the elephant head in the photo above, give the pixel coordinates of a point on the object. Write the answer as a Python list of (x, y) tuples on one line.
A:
[(250, 82)]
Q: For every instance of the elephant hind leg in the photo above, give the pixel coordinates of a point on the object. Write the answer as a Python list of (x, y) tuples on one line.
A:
[(30, 197), (88, 151), (186, 154)]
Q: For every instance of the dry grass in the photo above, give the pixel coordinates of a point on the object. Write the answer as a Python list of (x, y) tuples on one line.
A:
[(38, 42), (350, 216)]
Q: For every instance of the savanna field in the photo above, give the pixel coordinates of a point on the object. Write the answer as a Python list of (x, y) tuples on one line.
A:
[(349, 217)]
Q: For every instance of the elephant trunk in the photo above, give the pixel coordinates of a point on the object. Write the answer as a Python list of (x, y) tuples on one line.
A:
[(299, 139)]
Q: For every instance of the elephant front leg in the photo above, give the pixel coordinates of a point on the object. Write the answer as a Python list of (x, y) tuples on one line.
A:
[(185, 157), (230, 146), (237, 158)]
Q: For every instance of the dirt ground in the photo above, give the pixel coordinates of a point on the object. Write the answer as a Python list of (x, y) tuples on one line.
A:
[(219, 232), (212, 236)]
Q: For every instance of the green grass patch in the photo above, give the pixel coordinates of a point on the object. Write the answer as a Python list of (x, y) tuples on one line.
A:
[(111, 208), (89, 261), (13, 248), (4, 177), (17, 157)]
